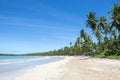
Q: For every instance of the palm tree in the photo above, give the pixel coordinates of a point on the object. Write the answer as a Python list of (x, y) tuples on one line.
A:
[(115, 16), (98, 34), (82, 34), (102, 23), (107, 30), (92, 20)]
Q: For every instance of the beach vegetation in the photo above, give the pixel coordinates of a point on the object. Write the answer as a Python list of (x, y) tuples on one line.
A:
[(106, 30)]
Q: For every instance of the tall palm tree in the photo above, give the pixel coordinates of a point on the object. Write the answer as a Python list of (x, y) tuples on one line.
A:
[(102, 22), (92, 20), (115, 17)]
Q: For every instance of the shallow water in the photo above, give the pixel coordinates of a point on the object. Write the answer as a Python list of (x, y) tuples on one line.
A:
[(12, 66)]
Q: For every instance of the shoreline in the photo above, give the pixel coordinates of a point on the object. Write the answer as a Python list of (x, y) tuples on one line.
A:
[(75, 68), (41, 72), (17, 66)]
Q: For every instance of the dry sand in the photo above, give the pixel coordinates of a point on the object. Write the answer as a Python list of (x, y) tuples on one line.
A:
[(75, 68)]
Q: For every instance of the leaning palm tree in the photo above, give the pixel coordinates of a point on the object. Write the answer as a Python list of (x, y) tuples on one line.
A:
[(92, 20), (102, 22), (115, 17), (103, 25)]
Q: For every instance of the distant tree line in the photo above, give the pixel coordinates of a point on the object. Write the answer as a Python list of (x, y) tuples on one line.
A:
[(105, 29)]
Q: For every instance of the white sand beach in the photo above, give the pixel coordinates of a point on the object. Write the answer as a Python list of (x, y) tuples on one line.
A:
[(75, 68)]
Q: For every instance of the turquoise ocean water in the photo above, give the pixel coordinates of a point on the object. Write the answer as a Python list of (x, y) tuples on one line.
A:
[(15, 65)]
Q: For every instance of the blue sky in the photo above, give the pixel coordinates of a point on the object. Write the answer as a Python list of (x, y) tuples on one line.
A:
[(41, 25)]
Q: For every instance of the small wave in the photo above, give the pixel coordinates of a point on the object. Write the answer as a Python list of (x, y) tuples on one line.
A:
[(21, 60)]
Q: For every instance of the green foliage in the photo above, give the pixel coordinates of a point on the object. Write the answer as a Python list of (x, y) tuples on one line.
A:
[(107, 33), (112, 54), (8, 55), (108, 45)]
